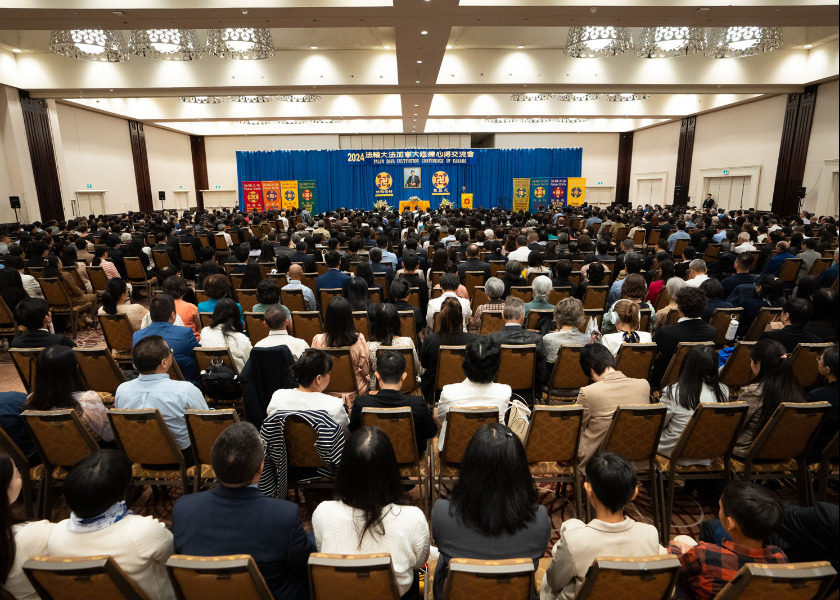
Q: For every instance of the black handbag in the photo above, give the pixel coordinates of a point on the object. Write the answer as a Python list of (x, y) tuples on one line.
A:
[(219, 381)]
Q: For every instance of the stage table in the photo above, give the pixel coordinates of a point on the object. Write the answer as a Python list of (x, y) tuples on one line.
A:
[(414, 205)]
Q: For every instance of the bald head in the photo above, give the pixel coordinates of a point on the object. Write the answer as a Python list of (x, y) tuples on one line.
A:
[(295, 272)]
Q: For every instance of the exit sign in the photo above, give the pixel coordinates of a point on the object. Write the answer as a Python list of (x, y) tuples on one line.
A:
[(89, 186), (600, 183), (726, 171)]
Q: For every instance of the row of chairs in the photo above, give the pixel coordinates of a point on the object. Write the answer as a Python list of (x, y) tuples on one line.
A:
[(348, 577)]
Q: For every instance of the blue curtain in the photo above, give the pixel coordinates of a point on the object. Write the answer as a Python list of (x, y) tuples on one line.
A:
[(340, 185)]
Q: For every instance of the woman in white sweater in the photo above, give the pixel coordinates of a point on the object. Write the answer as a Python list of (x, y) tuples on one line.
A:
[(101, 524), (18, 541), (372, 513), (226, 332)]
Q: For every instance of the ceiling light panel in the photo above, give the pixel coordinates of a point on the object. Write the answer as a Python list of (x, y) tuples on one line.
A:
[(165, 44), (101, 45)]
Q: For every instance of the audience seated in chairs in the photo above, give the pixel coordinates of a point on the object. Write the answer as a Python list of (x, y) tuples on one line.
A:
[(672, 287), (34, 315), (451, 333), (449, 283), (294, 283), (268, 293), (371, 513), (385, 331), (277, 318), (795, 316), (340, 332), (492, 512), (515, 334), (217, 287), (180, 339), (610, 485), (78, 296), (568, 317), (117, 300), (176, 287), (828, 365), (236, 518), (626, 318), (226, 331)]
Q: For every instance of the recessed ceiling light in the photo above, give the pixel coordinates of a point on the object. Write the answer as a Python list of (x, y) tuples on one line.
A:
[(117, 12), (313, 47), (244, 12), (419, 62), (415, 114), (520, 47), (387, 47), (16, 50), (418, 81), (416, 105), (449, 47), (424, 33), (808, 46)]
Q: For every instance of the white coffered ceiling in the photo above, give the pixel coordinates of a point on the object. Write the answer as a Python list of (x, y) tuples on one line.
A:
[(414, 66)]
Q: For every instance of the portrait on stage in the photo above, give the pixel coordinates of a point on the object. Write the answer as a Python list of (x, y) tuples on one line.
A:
[(411, 176)]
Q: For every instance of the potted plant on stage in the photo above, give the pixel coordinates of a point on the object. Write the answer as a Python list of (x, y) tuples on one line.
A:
[(446, 204), (381, 205)]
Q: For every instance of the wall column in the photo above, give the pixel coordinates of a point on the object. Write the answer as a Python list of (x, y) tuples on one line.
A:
[(199, 161), (141, 166), (685, 152), (796, 133), (625, 161), (36, 120)]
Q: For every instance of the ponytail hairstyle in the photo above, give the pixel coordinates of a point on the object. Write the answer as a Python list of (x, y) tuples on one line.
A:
[(312, 362), (114, 290), (699, 368), (98, 254), (778, 382), (7, 535), (627, 312)]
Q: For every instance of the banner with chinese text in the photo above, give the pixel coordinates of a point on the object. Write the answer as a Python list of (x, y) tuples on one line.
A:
[(252, 195), (361, 158), (306, 189), (539, 192), (271, 195), (577, 191), (521, 193), (557, 195), (440, 183), (384, 185), (289, 193), (466, 201)]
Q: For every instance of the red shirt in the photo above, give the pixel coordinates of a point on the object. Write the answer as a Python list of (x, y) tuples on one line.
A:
[(706, 568)]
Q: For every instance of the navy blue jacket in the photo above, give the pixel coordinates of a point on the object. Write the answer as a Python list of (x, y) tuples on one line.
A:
[(332, 279), (180, 339), (226, 521)]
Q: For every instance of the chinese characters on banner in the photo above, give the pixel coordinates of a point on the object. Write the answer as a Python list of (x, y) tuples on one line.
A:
[(577, 191), (440, 184), (289, 194), (306, 189), (521, 193), (557, 195), (539, 192), (271, 195), (253, 195), (384, 185), (358, 158)]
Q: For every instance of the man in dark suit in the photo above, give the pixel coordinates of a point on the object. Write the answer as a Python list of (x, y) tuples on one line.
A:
[(36, 255), (171, 251), (399, 291), (410, 274), (513, 333), (377, 266), (691, 303), (236, 518), (413, 180), (411, 244), (795, 315), (473, 264), (300, 256), (390, 373), (333, 278), (743, 264), (34, 314), (190, 238)]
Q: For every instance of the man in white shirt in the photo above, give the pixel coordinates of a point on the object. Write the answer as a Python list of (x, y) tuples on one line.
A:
[(30, 284), (225, 234), (449, 283), (696, 273), (295, 274), (522, 251), (744, 244), (275, 318)]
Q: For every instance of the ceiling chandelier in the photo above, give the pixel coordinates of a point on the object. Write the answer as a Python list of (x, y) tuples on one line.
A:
[(254, 122), (240, 43), (534, 120), (535, 97), (626, 97), (300, 98), (253, 99), (104, 45), (203, 99), (324, 121), (670, 42), (592, 42), (577, 97), (165, 44), (735, 42)]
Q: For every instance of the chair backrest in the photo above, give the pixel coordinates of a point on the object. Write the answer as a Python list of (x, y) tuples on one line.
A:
[(247, 299), (382, 279), (25, 360), (97, 277), (461, 424), (407, 326), (362, 323), (118, 332), (134, 268), (711, 432), (790, 269), (161, 258), (327, 294), (662, 300), (7, 319), (497, 267), (342, 378), (473, 279), (410, 382), (554, 433), (293, 299), (220, 243), (653, 239), (479, 297), (375, 294), (518, 366), (804, 362), (589, 313), (206, 356), (307, 324), (791, 581), (736, 372), (567, 373), (187, 252), (204, 426), (680, 246), (557, 294), (648, 577), (206, 319), (470, 578), (595, 296), (789, 433), (721, 319), (144, 436), (820, 265), (450, 366), (414, 296), (256, 327), (236, 280), (535, 314), (398, 424), (672, 372), (523, 292), (765, 315), (645, 315), (634, 431), (491, 320), (54, 293), (59, 435), (70, 578), (217, 578), (300, 443), (350, 577), (635, 360), (100, 370)]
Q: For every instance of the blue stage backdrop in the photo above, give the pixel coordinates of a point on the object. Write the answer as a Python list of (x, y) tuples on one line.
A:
[(341, 184)]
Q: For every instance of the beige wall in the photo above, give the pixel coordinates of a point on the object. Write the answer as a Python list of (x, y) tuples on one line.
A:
[(820, 178)]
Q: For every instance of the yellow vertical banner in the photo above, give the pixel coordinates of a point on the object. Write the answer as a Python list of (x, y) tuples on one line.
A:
[(289, 193), (576, 191), (271, 195), (521, 193), (466, 201)]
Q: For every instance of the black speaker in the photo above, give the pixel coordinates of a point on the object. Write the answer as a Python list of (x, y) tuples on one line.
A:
[(800, 193), (678, 194), (161, 196), (14, 201)]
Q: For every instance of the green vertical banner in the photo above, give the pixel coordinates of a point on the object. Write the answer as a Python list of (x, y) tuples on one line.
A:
[(306, 193), (539, 193)]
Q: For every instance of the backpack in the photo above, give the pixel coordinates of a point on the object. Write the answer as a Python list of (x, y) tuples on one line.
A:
[(219, 381)]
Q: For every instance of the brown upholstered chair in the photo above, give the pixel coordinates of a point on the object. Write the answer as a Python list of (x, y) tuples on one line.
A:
[(216, 578), (720, 321), (136, 274), (471, 578), (736, 373), (479, 297), (101, 372), (206, 319), (342, 378), (461, 424), (534, 316), (789, 271), (187, 253), (803, 360), (557, 294), (662, 300), (551, 446), (472, 280), (307, 324), (590, 313), (518, 368), (161, 259), (791, 581), (595, 296), (827, 468), (410, 384), (220, 246), (523, 292), (352, 576), (362, 323), (497, 268), (301, 454), (98, 280), (766, 314), (672, 372), (118, 333), (255, 327), (71, 578), (635, 360), (567, 377), (293, 299), (236, 280), (247, 299), (30, 476), (326, 296), (491, 320), (205, 356), (407, 326), (204, 426), (648, 577), (60, 303), (450, 366), (25, 361), (710, 435)]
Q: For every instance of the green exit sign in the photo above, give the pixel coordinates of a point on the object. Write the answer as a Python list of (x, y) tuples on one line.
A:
[(600, 183), (726, 171)]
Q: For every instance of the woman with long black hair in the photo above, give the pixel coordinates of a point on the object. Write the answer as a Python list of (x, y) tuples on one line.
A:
[(340, 332), (698, 383), (385, 331), (371, 512)]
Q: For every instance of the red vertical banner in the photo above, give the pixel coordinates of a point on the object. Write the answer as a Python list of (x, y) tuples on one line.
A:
[(271, 195), (252, 195)]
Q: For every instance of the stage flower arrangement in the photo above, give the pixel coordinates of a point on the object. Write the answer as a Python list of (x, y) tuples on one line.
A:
[(381, 205), (446, 204)]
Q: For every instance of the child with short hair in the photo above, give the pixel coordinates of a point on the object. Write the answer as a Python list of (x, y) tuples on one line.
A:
[(610, 484), (749, 513)]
